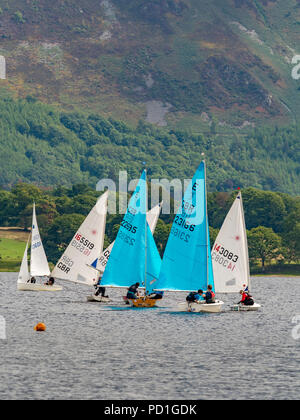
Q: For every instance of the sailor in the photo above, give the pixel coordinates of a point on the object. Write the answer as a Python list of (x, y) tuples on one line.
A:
[(209, 295), (156, 295), (195, 296), (246, 298), (100, 289), (133, 291), (32, 280), (50, 282)]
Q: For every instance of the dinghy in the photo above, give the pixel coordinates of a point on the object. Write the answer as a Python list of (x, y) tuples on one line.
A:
[(187, 264), (100, 263), (230, 255), (36, 287), (134, 257), (244, 308), (94, 298), (87, 243), (38, 264)]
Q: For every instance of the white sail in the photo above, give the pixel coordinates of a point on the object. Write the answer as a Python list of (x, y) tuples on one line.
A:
[(152, 218), (38, 260), (24, 276), (230, 252), (84, 248)]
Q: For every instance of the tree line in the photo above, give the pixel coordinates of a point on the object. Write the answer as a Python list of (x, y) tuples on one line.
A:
[(272, 218)]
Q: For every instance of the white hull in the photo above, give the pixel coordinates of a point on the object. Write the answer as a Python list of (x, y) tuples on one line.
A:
[(94, 298), (201, 307), (245, 308), (35, 287)]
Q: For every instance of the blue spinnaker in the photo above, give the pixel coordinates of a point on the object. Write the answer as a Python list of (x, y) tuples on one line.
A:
[(185, 265), (127, 262)]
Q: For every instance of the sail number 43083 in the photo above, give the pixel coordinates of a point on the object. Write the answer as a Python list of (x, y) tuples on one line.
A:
[(224, 257), (226, 254)]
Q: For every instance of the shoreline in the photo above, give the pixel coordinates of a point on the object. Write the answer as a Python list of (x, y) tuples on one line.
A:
[(15, 269), (275, 275)]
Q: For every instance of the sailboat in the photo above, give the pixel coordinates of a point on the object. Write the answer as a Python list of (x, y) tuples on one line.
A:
[(230, 255), (85, 246), (38, 263), (187, 264), (134, 257), (100, 263)]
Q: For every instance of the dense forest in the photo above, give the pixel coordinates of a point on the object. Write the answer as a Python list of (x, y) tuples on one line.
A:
[(272, 219), (44, 145)]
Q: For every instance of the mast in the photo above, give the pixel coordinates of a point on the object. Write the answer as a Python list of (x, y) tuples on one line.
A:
[(246, 241), (206, 233), (145, 210)]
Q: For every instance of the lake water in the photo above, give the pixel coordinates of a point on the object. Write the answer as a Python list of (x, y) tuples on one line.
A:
[(96, 351)]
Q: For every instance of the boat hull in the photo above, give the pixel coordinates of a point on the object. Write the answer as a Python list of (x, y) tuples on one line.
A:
[(245, 308), (35, 287), (101, 299), (142, 302), (201, 307)]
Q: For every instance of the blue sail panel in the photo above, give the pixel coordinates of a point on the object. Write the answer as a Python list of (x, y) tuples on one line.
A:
[(126, 264), (94, 264), (185, 261)]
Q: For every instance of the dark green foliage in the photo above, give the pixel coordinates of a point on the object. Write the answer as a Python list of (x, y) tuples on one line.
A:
[(61, 211), (41, 144)]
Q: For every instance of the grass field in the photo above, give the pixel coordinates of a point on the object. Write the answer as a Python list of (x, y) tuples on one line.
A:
[(12, 246)]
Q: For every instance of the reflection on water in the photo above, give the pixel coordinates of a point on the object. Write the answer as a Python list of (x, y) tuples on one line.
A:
[(96, 351)]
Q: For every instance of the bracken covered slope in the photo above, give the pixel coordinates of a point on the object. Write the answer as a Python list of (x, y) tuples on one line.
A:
[(184, 63)]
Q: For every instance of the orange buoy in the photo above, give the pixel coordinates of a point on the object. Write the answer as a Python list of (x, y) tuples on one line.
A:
[(40, 327)]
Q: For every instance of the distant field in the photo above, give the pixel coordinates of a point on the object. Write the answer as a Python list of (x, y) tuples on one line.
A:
[(14, 233), (12, 246)]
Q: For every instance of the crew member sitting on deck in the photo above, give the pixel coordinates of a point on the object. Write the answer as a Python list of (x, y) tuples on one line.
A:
[(156, 295), (32, 280), (50, 282), (195, 296), (100, 289), (209, 295), (133, 291), (246, 298)]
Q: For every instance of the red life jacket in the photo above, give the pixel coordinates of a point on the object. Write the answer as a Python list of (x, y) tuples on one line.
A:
[(244, 297)]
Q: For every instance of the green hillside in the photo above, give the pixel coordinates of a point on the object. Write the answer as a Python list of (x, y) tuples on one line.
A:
[(215, 73), (47, 146)]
